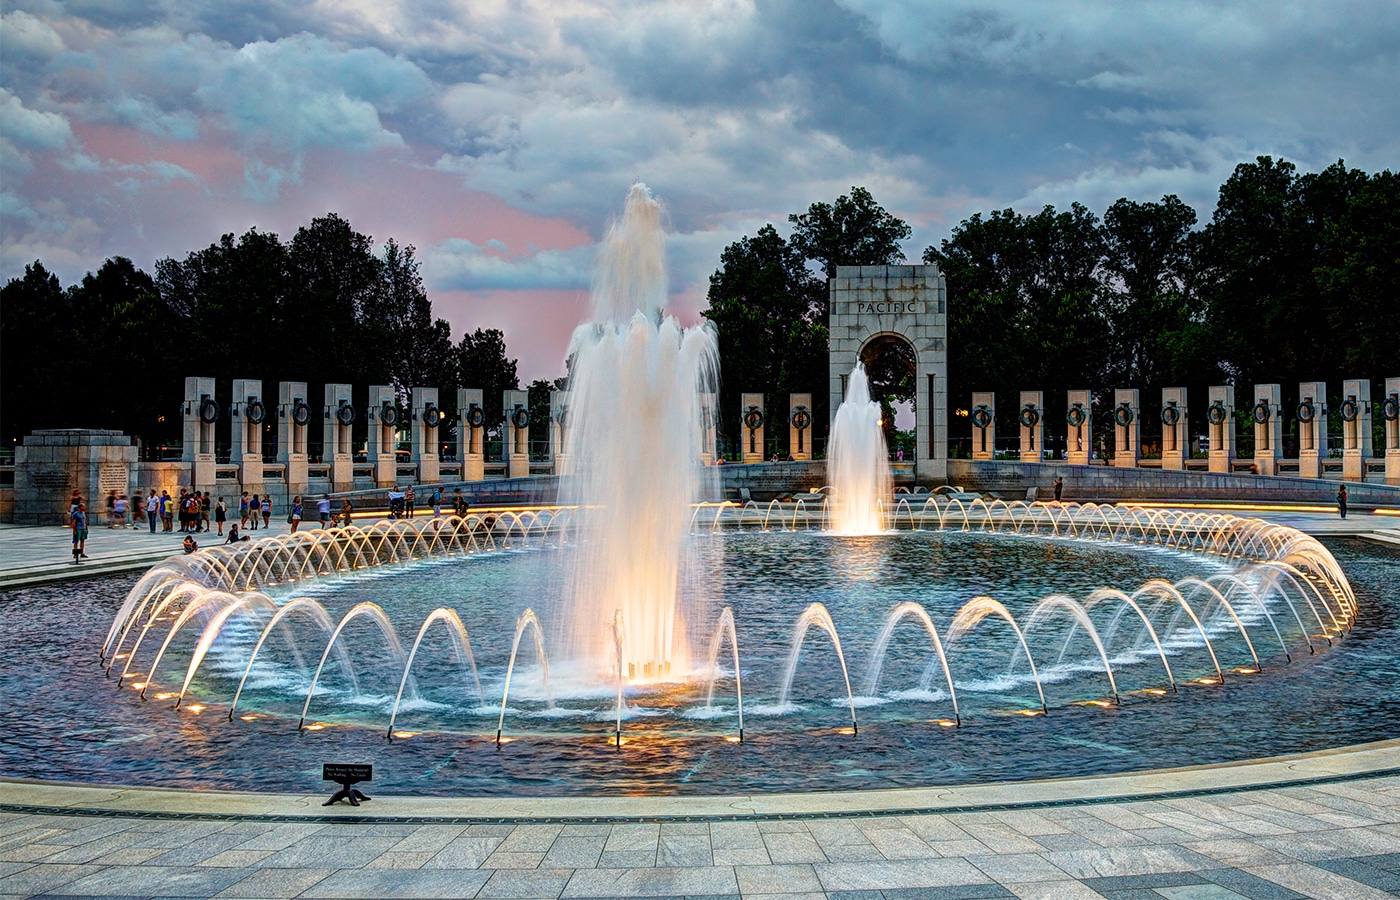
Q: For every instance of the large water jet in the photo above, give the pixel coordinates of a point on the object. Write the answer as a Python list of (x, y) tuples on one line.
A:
[(858, 463), (637, 379)]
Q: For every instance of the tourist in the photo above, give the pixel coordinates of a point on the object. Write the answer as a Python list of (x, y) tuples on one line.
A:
[(437, 502), (395, 503), (1059, 487), (254, 510), (459, 504), (408, 500), (1342, 501), (233, 535), (190, 545), (111, 509), (243, 510), (294, 519), (138, 510), (204, 511), (152, 510), (167, 512), (119, 512), (323, 510), (79, 523), (267, 510), (220, 515), (347, 510)]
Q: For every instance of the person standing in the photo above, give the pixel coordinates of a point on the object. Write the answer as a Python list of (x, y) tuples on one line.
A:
[(408, 500), (267, 510), (459, 504), (323, 510), (78, 521), (295, 517), (204, 511), (1342, 501), (243, 510), (220, 515), (152, 510), (167, 512), (254, 511), (437, 502), (347, 512), (1059, 487)]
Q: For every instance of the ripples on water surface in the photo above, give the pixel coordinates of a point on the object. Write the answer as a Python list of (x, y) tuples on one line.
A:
[(61, 719)]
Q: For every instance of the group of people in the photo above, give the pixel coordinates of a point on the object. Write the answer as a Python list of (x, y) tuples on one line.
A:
[(403, 503)]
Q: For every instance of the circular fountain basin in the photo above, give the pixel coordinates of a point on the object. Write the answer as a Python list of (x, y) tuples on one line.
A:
[(1318, 688)]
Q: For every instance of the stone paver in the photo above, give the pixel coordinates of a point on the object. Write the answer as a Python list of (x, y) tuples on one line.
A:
[(1328, 840)]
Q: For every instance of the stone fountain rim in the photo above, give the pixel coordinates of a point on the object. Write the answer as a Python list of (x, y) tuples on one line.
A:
[(1313, 768)]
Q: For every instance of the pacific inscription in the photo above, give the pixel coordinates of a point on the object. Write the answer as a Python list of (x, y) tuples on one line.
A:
[(888, 307)]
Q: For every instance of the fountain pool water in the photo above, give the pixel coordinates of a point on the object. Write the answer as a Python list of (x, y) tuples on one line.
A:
[(858, 465)]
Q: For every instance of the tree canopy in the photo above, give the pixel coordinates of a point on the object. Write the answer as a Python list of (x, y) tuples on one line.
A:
[(111, 351)]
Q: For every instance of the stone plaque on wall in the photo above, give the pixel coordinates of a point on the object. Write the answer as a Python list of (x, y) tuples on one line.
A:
[(112, 480)]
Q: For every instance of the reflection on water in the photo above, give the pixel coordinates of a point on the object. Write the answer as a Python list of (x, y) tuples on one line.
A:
[(63, 720)]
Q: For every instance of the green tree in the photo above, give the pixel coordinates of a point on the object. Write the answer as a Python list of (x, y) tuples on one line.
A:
[(481, 362), (397, 317), (37, 344), (770, 314), (853, 231)]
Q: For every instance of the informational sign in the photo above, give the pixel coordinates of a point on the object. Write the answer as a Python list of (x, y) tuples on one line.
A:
[(112, 480), (346, 773)]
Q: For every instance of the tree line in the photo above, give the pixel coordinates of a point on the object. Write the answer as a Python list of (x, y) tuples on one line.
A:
[(1296, 276), (112, 350)]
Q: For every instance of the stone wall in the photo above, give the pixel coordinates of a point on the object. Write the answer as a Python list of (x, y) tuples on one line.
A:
[(1083, 483), (53, 463)]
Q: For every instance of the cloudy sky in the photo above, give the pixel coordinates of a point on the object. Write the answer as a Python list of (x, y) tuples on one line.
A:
[(499, 136)]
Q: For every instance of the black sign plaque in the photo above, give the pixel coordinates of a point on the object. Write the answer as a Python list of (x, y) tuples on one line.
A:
[(346, 775)]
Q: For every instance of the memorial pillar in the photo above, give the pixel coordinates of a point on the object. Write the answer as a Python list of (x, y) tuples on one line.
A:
[(1312, 428), (983, 418), (559, 424), (515, 433), (709, 422), (201, 414), (1220, 427), (1268, 428), (383, 420), (425, 419), (1390, 413), (1079, 434), (248, 413), (1176, 436), (337, 437), (1032, 426), (1126, 428), (800, 426), (293, 417), (1356, 428), (752, 430), (471, 433)]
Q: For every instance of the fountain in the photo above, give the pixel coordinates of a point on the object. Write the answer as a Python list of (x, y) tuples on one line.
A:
[(636, 382), (858, 465)]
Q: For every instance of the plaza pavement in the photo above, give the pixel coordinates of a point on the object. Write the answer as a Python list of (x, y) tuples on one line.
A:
[(1315, 825)]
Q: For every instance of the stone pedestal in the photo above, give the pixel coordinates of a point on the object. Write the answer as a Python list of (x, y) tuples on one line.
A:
[(709, 425), (471, 433), (800, 423), (337, 436), (983, 419), (1030, 421), (250, 416), (1220, 427), (752, 427), (293, 418), (426, 419), (515, 433), (1176, 435), (1390, 413), (53, 463), (201, 413), (1355, 409), (383, 424), (1268, 428), (1079, 427), (1312, 428), (1126, 428), (559, 425)]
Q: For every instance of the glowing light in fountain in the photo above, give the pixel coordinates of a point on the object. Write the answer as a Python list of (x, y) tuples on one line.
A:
[(858, 464), (636, 383)]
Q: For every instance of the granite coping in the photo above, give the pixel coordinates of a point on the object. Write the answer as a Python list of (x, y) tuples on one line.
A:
[(1318, 767)]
